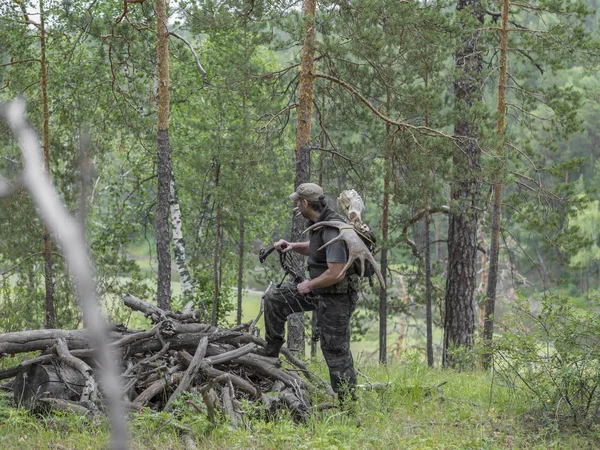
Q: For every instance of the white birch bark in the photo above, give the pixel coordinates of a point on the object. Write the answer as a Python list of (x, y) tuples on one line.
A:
[(185, 277)]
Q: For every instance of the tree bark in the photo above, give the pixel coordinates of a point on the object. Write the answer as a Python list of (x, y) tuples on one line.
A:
[(59, 381), (490, 305), (240, 277), (190, 373), (296, 341), (163, 238), (384, 244), (217, 253), (187, 285), (50, 316), (314, 322), (35, 340), (459, 315), (242, 224), (428, 306)]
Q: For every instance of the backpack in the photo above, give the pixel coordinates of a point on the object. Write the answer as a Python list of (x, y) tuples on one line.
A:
[(370, 241), (353, 206)]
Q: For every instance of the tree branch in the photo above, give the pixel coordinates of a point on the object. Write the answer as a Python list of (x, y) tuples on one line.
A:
[(125, 8), (333, 152), (28, 21), (181, 38), (22, 61), (71, 238), (444, 209), (287, 108), (421, 129), (518, 108), (530, 58)]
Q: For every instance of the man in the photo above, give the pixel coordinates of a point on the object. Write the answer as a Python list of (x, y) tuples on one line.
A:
[(332, 296)]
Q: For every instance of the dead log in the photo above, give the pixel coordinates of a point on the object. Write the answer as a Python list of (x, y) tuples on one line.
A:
[(179, 341), (231, 355), (35, 340), (9, 372), (190, 373), (238, 382), (157, 366), (295, 402), (63, 405), (210, 400), (291, 358), (58, 381), (84, 354), (90, 389), (227, 397), (156, 314), (188, 442), (156, 388), (264, 366), (147, 360)]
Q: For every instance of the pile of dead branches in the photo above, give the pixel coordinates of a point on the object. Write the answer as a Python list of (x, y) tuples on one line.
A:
[(178, 354)]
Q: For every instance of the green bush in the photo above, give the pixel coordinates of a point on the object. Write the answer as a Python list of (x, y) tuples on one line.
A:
[(553, 356)]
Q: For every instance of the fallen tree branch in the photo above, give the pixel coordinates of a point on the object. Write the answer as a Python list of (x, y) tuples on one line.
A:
[(189, 373), (90, 391)]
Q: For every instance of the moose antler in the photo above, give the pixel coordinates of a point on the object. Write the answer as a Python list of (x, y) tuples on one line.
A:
[(353, 206), (356, 247)]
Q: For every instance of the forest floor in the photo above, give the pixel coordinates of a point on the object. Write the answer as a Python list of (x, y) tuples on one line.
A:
[(469, 411), (422, 408)]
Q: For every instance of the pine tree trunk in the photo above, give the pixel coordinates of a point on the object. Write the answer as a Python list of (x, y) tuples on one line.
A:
[(384, 245), (459, 316), (428, 306), (240, 280), (217, 252), (50, 316), (384, 265), (163, 238), (314, 321), (242, 225), (296, 341), (490, 305)]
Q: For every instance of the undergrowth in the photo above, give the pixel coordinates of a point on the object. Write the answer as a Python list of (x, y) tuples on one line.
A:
[(422, 408)]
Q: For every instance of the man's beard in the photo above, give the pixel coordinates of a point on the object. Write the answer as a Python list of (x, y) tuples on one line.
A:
[(298, 213)]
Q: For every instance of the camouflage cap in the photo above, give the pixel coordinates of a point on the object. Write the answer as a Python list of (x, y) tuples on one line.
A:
[(307, 191)]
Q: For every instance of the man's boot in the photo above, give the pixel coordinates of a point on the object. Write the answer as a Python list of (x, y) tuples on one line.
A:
[(271, 350)]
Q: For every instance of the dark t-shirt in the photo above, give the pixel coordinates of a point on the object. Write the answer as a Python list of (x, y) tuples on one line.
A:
[(336, 252)]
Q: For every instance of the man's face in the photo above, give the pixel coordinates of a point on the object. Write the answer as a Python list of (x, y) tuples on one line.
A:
[(302, 206)]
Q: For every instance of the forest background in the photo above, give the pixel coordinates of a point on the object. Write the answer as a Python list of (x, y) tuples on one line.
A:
[(408, 107)]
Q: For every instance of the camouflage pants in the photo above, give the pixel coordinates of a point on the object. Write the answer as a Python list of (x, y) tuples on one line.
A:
[(333, 315)]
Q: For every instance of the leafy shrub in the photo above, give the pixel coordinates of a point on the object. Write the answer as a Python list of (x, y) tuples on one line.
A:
[(554, 357)]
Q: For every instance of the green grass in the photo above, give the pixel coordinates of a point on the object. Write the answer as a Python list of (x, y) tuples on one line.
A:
[(470, 411), (407, 415)]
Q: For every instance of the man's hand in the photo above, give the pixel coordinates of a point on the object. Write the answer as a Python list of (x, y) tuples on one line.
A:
[(283, 246), (332, 275), (304, 287)]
